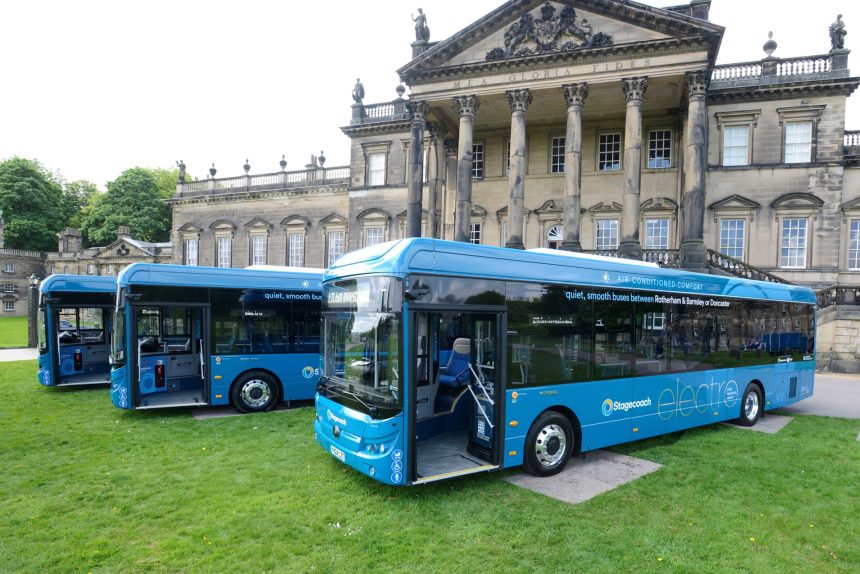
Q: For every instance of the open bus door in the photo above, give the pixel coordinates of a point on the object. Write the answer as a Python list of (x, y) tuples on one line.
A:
[(456, 393), (170, 356)]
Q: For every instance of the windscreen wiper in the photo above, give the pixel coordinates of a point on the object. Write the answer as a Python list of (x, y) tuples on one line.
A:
[(372, 409)]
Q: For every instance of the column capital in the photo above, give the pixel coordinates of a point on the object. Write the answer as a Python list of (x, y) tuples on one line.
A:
[(519, 100), (697, 83), (450, 148), (634, 88), (575, 94), (466, 105), (417, 110)]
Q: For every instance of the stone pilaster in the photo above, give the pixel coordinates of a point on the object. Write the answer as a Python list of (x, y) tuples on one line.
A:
[(418, 112), (437, 178), (634, 92), (574, 96), (467, 106), (693, 252), (519, 101)]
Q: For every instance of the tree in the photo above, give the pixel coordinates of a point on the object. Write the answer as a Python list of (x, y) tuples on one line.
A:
[(76, 197), (131, 199), (32, 204), (166, 180)]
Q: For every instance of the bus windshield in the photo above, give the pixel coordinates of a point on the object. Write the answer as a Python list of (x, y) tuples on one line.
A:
[(118, 341), (361, 359), (41, 328)]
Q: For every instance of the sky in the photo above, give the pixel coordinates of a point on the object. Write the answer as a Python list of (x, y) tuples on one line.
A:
[(91, 88)]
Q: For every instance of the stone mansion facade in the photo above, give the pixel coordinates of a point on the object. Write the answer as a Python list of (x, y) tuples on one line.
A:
[(595, 125)]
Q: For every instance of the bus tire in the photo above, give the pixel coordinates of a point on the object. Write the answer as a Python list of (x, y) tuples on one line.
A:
[(751, 406), (549, 444), (254, 392)]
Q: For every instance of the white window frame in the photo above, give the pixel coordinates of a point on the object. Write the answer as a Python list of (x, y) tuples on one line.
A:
[(91, 268), (736, 119), (666, 137), (373, 235), (9, 306), (376, 168), (335, 245), (603, 147), (8, 268), (556, 154), (600, 242), (191, 256), (661, 224), (555, 235), (223, 256), (797, 146), (478, 160), (475, 232), (854, 244), (729, 235), (793, 256), (8, 287), (296, 249), (259, 245)]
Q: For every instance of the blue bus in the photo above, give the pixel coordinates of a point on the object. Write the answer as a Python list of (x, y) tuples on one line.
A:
[(199, 336), (74, 329), (443, 359)]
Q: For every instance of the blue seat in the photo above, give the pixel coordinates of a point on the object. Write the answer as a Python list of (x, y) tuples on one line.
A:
[(456, 373)]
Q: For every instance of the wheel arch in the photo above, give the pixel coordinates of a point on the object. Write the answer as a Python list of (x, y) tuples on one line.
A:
[(574, 421), (760, 386)]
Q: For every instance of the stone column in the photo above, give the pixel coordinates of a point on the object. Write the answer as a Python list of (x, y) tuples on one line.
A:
[(415, 189), (693, 252), (634, 92), (519, 101), (448, 204), (437, 178), (574, 96), (466, 107)]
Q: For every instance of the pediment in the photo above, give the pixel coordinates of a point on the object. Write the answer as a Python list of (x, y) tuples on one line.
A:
[(258, 223), (373, 214), (797, 200), (296, 220), (189, 228), (333, 219), (608, 207), (222, 225), (659, 204), (735, 203), (853, 205), (121, 248), (523, 29)]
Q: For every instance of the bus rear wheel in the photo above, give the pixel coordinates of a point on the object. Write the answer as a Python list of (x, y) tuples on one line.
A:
[(548, 444), (751, 406), (254, 392)]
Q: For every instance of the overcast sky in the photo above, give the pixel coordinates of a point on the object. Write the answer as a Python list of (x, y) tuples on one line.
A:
[(91, 88)]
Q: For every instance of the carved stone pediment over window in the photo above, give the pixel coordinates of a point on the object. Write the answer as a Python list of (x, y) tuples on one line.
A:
[(736, 205), (797, 203), (547, 30), (605, 208)]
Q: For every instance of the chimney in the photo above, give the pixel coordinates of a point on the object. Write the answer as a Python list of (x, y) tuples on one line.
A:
[(123, 232), (71, 240)]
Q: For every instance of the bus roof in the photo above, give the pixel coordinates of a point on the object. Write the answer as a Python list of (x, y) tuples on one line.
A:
[(195, 276), (438, 257), (78, 283)]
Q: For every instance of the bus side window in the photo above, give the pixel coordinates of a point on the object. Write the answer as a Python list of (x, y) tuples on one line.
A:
[(149, 329)]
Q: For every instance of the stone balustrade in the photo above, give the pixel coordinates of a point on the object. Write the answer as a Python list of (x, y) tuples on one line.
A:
[(277, 180), (20, 252), (776, 70), (738, 268), (378, 113), (852, 139), (835, 295)]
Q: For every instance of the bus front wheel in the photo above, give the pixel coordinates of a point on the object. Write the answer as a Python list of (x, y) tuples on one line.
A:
[(254, 392), (751, 406), (548, 444)]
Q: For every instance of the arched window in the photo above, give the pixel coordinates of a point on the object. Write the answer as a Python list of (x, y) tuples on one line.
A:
[(554, 236)]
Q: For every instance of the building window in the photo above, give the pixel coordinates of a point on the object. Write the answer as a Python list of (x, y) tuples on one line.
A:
[(478, 161), (258, 249), (191, 251), (376, 169), (732, 238), (91, 269), (556, 164), (297, 250), (372, 236), (793, 243), (554, 236), (659, 149), (224, 251), (8, 268), (607, 235), (736, 145), (335, 246), (854, 245), (504, 232), (475, 233), (656, 234), (798, 142), (110, 269), (609, 152), (9, 288), (8, 305)]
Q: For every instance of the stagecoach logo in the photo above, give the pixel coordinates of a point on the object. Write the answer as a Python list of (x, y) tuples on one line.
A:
[(308, 372), (610, 406), (605, 277), (332, 417), (306, 284)]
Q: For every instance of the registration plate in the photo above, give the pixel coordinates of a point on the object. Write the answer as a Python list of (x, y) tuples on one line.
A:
[(338, 453)]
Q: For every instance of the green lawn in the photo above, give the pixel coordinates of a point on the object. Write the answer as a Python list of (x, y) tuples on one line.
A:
[(85, 487), (13, 332)]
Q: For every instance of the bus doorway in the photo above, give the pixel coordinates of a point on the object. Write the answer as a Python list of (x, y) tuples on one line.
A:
[(456, 361), (171, 356)]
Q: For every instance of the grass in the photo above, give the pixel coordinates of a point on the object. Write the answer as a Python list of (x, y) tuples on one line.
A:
[(13, 332), (85, 487)]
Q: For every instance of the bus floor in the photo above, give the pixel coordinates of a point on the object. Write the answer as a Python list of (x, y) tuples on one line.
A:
[(88, 379), (446, 453), (190, 398)]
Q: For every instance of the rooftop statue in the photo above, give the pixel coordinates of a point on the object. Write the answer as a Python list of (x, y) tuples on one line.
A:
[(422, 32), (837, 34), (358, 91)]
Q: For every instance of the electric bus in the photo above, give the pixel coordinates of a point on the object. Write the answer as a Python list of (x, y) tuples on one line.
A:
[(442, 359), (200, 336), (74, 329)]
